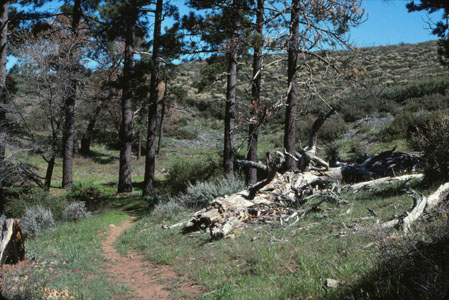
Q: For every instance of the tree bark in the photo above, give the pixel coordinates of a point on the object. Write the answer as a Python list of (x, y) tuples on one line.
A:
[(49, 172), (228, 153), (3, 45), (126, 125), (69, 109), (251, 176), (164, 104), (292, 95), (148, 189)]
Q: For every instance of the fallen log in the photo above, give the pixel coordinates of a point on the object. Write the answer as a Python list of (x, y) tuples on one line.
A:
[(422, 205), (371, 184), (12, 249)]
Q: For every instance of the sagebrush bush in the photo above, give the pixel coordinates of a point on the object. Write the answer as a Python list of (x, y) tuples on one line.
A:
[(75, 211), (36, 219), (169, 208), (432, 140), (185, 172), (17, 205), (202, 193)]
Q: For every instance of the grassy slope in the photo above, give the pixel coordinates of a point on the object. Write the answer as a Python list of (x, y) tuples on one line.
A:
[(273, 261)]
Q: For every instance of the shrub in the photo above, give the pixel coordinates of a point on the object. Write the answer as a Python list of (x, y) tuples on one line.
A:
[(331, 129), (405, 125), (432, 140), (90, 195), (202, 193), (75, 211), (183, 133), (17, 205), (417, 89), (36, 219), (185, 172), (169, 208)]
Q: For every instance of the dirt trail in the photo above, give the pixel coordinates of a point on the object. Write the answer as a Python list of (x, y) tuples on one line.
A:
[(147, 280)]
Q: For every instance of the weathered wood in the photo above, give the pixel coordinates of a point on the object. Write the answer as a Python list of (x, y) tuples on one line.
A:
[(12, 249), (371, 184), (421, 206)]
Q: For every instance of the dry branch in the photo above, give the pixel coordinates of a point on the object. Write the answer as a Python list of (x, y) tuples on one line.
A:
[(421, 206), (369, 185)]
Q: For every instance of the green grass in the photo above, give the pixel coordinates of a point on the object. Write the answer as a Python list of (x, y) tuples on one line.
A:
[(275, 262), (70, 257)]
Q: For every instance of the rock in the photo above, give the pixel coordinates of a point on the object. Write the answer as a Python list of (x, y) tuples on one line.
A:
[(332, 283)]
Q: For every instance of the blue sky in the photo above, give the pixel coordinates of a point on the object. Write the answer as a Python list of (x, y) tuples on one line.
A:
[(390, 23)]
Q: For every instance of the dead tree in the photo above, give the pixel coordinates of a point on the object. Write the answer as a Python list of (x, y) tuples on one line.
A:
[(12, 248)]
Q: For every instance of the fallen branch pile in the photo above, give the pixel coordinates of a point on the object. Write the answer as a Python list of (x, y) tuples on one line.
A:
[(285, 197), (281, 201)]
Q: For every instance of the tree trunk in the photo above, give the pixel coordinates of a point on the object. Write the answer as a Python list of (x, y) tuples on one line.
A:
[(126, 126), (251, 176), (3, 45), (49, 173), (159, 142), (228, 154), (86, 139), (69, 110), (292, 95), (148, 189)]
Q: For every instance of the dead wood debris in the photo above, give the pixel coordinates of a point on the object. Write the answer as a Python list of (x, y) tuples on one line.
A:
[(280, 201), (285, 197), (421, 205), (12, 248)]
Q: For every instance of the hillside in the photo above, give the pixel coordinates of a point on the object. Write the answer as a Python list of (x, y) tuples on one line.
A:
[(399, 82)]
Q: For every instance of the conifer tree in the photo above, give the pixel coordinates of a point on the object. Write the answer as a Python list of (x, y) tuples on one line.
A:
[(224, 31)]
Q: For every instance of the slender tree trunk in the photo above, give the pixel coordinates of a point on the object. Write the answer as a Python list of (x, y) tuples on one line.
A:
[(69, 107), (3, 45), (49, 173), (228, 153), (292, 96), (159, 142), (251, 176), (86, 139), (148, 189), (126, 126)]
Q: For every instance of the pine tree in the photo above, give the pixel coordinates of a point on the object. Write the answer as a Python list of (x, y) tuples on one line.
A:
[(251, 177), (224, 31)]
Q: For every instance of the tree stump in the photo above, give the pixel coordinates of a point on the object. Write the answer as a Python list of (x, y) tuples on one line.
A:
[(12, 248)]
